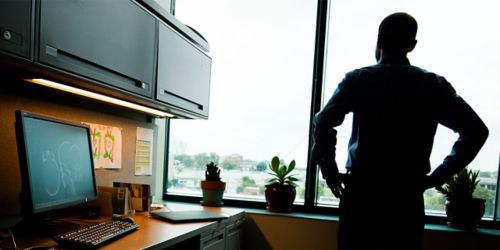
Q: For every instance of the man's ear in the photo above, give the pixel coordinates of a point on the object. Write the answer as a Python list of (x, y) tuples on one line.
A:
[(379, 43), (412, 45)]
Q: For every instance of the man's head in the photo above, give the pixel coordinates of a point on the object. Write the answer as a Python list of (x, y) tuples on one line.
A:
[(396, 34)]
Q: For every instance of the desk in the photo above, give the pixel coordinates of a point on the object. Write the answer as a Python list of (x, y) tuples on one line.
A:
[(158, 234)]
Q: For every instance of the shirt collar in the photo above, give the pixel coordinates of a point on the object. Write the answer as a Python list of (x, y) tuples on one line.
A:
[(401, 60)]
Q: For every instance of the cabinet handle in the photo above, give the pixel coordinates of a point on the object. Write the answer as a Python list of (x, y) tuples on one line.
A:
[(49, 50), (215, 240), (164, 91), (97, 69)]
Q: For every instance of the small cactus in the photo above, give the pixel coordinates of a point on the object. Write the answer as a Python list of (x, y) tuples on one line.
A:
[(212, 173), (461, 185)]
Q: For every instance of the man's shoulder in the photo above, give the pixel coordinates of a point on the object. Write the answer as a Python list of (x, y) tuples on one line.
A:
[(378, 68), (359, 72), (364, 69)]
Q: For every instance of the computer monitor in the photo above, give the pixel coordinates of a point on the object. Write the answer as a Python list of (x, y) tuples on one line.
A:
[(57, 168)]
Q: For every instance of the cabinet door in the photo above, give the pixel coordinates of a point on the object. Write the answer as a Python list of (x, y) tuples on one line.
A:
[(183, 73), (110, 41), (234, 236), (15, 27)]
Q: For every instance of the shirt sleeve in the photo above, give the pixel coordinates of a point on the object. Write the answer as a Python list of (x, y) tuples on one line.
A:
[(332, 115), (457, 115)]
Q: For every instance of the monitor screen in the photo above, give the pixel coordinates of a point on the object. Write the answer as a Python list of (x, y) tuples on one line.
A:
[(57, 168)]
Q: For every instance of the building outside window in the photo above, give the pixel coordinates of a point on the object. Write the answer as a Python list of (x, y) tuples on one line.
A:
[(262, 77)]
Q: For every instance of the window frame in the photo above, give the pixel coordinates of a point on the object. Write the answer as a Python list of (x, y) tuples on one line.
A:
[(310, 205), (316, 105)]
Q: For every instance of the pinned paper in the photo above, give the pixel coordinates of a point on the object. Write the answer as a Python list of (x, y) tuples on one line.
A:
[(144, 152), (106, 145)]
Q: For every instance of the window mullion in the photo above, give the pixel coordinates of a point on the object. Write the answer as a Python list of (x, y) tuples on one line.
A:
[(317, 85)]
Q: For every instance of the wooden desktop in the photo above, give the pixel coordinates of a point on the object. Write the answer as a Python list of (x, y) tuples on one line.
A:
[(159, 234)]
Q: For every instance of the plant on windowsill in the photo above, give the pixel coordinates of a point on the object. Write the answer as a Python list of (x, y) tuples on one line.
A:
[(280, 191), (212, 187), (462, 209)]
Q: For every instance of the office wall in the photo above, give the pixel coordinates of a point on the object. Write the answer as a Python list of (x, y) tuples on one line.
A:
[(19, 95), (265, 232)]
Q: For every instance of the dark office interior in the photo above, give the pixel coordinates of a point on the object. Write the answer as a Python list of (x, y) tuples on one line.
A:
[(180, 76)]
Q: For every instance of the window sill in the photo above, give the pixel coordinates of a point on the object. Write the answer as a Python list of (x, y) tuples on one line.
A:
[(299, 215), (335, 218), (436, 227), (445, 228)]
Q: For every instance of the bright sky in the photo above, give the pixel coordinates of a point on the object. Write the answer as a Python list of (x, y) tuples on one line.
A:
[(262, 68), (261, 77)]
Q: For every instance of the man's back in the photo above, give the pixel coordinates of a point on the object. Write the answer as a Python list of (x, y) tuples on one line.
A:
[(396, 111), (397, 108)]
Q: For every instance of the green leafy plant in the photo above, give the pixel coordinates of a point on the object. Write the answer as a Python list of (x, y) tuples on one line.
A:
[(282, 173), (461, 185), (212, 173)]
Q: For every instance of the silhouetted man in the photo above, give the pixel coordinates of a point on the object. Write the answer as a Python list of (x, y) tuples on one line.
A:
[(396, 110)]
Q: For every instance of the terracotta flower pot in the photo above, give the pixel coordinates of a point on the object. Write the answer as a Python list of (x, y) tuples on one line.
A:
[(280, 197), (465, 214), (213, 192)]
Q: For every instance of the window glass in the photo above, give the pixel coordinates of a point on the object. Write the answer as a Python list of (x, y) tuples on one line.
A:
[(456, 39), (260, 96)]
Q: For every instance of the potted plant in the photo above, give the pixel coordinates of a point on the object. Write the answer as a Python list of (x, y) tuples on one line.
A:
[(462, 209), (280, 191), (212, 187)]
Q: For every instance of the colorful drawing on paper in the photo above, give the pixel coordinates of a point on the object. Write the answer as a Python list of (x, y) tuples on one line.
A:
[(96, 137), (106, 145), (144, 151), (109, 145)]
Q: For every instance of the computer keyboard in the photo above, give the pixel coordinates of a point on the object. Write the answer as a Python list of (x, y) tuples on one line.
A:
[(91, 236)]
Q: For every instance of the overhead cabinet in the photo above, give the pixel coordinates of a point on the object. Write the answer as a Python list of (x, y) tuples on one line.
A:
[(133, 50), (112, 42), (15, 27), (183, 73)]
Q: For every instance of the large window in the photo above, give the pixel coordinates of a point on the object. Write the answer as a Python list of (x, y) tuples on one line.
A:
[(260, 97), (456, 39), (262, 86)]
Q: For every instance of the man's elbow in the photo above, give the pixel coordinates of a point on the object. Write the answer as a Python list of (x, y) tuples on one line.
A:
[(479, 133), (482, 133)]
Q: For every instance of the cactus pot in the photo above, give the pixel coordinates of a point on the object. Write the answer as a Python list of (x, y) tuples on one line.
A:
[(280, 197), (212, 193), (464, 214)]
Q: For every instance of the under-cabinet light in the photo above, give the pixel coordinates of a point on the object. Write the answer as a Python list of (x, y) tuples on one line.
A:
[(99, 97)]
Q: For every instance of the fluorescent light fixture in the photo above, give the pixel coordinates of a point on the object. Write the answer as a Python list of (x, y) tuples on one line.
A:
[(99, 97)]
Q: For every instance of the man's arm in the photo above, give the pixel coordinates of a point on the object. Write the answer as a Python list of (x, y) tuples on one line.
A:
[(460, 117), (325, 136)]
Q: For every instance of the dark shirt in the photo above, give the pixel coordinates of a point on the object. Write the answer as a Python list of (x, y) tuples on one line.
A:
[(396, 110)]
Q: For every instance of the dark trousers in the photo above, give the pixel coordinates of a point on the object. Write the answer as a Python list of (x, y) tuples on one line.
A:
[(381, 213)]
